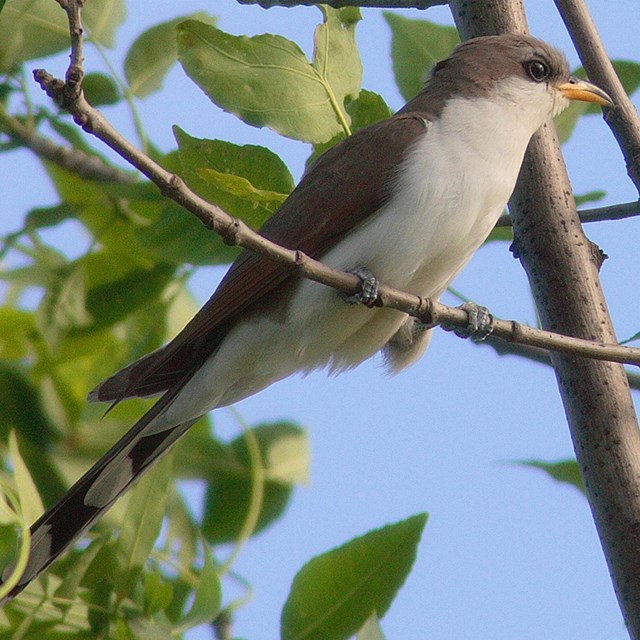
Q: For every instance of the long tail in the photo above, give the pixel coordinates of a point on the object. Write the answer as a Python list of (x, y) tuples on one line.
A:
[(89, 498)]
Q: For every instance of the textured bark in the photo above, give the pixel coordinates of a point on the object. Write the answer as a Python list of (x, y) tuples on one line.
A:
[(563, 271)]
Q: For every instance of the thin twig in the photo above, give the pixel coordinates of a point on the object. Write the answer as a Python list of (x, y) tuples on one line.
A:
[(236, 232), (623, 119), (596, 214), (74, 160)]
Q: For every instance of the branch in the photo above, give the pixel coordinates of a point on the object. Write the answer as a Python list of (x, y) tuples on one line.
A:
[(539, 355), (623, 119), (366, 4), (69, 95), (563, 275), (597, 214), (67, 157)]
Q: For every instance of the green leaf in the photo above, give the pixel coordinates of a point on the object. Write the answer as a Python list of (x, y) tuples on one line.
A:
[(501, 234), (17, 331), (142, 522), (368, 108), (153, 53), (248, 182), (567, 120), (416, 45), (241, 188), (157, 593), (565, 471), (63, 306), (266, 80), (30, 502), (285, 457), (111, 302), (36, 28), (590, 196), (334, 594), (180, 238), (102, 19), (75, 569), (41, 217), (208, 596), (100, 89)]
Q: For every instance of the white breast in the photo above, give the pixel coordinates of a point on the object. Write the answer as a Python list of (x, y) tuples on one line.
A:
[(454, 184)]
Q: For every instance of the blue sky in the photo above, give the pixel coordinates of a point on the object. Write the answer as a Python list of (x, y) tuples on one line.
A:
[(506, 553)]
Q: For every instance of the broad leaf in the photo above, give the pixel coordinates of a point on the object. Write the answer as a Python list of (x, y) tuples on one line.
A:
[(208, 596), (284, 452), (16, 333), (63, 306), (248, 182), (153, 53), (76, 567), (334, 594), (416, 45), (111, 302), (36, 28), (564, 471), (180, 238), (142, 522), (266, 80), (368, 108), (100, 89)]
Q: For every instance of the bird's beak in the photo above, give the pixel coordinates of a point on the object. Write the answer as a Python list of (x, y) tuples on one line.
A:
[(577, 89)]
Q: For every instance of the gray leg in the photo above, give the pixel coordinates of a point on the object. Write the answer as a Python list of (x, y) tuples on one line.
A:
[(368, 293), (480, 324)]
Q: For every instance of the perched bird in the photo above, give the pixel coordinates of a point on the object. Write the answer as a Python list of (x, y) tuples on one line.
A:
[(408, 199)]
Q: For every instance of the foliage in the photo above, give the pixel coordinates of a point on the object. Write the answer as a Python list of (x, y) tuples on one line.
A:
[(66, 322)]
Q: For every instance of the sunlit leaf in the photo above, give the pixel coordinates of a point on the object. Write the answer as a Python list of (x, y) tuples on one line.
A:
[(208, 596), (100, 89), (30, 501), (17, 329), (564, 471), (335, 593), (590, 196), (267, 80), (180, 238), (248, 182), (142, 522), (416, 45), (36, 28), (284, 452), (153, 53)]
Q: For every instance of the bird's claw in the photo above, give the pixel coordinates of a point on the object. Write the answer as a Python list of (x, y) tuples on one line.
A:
[(479, 325), (369, 285)]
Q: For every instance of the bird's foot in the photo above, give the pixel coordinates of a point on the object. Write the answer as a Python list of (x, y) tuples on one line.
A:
[(479, 325), (368, 293)]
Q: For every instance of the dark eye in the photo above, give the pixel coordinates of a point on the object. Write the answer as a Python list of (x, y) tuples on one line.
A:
[(537, 70)]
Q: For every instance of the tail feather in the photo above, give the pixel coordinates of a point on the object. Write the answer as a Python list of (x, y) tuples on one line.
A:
[(98, 489)]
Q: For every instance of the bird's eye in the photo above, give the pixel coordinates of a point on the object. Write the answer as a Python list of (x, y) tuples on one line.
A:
[(537, 70)]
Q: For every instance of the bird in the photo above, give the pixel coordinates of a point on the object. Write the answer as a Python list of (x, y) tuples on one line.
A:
[(405, 201)]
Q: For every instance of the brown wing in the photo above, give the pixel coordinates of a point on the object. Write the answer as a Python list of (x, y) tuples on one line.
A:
[(344, 187)]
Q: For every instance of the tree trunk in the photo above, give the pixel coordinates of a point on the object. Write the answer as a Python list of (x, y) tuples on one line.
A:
[(562, 267)]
